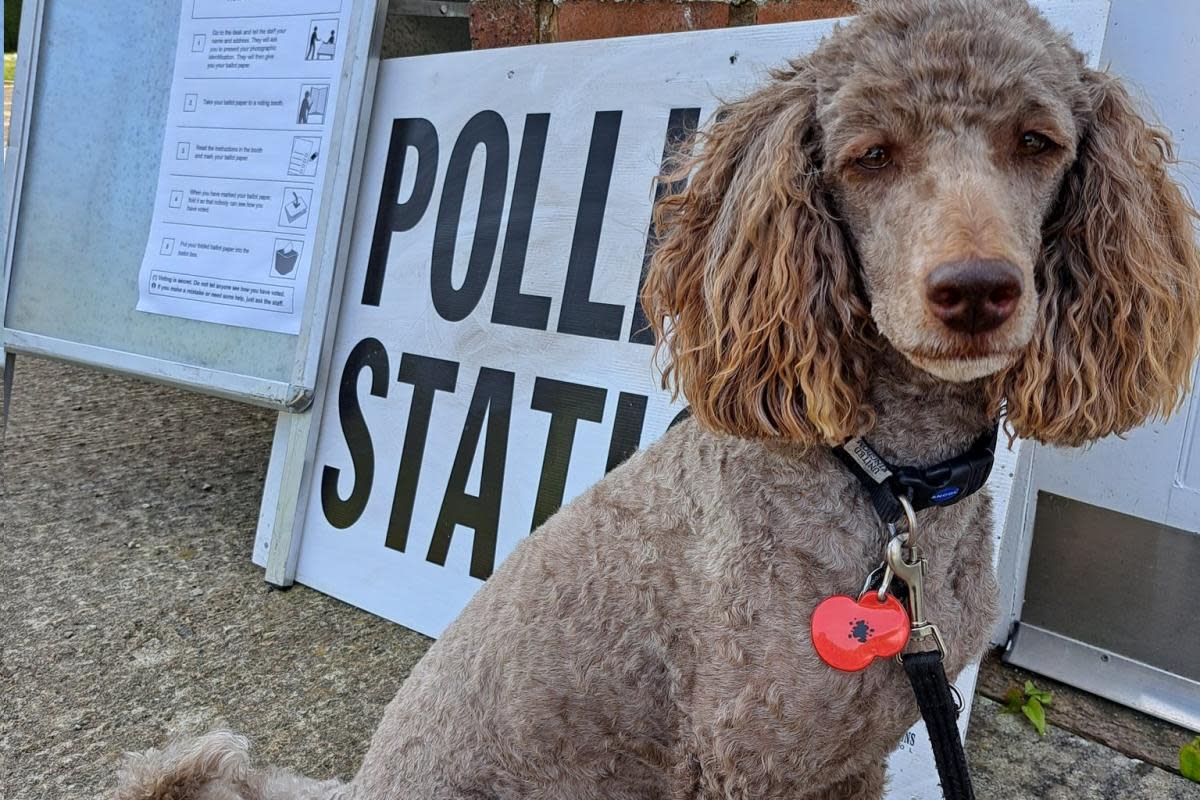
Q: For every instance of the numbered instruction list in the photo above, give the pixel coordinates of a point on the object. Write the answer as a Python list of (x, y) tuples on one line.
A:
[(243, 161)]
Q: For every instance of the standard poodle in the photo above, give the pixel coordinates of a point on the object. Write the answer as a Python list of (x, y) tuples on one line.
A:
[(939, 214)]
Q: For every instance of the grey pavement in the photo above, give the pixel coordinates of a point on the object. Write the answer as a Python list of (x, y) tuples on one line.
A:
[(1009, 760), (130, 611)]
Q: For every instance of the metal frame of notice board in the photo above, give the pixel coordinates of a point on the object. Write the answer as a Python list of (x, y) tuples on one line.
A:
[(274, 370)]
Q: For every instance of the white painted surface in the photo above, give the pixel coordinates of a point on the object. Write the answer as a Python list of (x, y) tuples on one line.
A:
[(1154, 471)]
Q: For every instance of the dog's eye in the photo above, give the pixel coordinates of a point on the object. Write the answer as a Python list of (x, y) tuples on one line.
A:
[(1032, 143), (875, 158)]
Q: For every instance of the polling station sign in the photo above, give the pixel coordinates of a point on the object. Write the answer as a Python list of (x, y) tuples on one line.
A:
[(491, 359)]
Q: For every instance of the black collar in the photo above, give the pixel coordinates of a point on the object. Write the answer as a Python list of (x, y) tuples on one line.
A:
[(940, 485)]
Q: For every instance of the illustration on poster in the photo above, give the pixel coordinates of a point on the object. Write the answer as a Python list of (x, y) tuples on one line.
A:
[(322, 42), (296, 202), (311, 109), (306, 150), (286, 254)]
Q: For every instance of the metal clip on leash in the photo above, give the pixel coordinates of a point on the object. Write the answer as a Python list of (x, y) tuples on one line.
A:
[(894, 535), (911, 570)]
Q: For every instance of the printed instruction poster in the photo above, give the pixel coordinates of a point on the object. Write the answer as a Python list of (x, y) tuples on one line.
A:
[(244, 160)]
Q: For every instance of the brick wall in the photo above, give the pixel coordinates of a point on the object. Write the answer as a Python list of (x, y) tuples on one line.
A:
[(503, 23)]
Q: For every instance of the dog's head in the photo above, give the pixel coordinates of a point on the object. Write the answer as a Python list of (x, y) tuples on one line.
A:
[(948, 177)]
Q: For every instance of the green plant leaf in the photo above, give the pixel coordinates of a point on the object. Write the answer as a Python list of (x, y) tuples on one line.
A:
[(1042, 695), (1189, 760), (1036, 714), (1013, 700)]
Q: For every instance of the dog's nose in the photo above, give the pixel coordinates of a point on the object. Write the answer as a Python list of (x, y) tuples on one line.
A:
[(973, 296)]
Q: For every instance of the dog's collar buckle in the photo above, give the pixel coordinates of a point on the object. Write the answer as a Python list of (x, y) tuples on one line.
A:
[(942, 484)]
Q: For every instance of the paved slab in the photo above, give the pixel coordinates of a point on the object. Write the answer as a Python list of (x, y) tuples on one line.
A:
[(1138, 736), (1009, 760), (130, 609)]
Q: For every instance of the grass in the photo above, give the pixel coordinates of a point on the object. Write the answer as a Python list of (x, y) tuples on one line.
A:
[(10, 66)]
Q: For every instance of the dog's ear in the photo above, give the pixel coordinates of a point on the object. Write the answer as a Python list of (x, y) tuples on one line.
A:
[(1119, 283), (752, 291)]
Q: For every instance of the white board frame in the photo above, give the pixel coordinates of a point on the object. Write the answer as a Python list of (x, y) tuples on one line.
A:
[(294, 394)]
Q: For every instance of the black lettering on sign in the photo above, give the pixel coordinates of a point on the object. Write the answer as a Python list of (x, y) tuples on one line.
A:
[(367, 354), (567, 403), (427, 376), (487, 129), (394, 216), (680, 125), (511, 306), (493, 398), (627, 429), (579, 315)]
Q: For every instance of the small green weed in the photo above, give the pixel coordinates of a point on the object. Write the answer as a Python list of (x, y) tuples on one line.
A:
[(10, 67), (1032, 701), (1189, 760)]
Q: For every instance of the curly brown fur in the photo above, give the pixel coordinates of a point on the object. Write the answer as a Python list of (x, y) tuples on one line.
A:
[(782, 262), (211, 767), (651, 639), (769, 334), (1119, 296)]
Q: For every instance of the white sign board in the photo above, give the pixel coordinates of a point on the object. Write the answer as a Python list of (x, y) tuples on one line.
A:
[(489, 362), (244, 158)]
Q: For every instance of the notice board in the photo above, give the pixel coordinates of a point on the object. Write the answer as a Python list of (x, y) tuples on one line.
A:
[(90, 108)]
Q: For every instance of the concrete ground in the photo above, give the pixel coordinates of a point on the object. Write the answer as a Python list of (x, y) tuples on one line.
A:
[(129, 610)]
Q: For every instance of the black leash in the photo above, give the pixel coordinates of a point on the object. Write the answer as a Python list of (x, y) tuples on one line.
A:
[(892, 488), (932, 689)]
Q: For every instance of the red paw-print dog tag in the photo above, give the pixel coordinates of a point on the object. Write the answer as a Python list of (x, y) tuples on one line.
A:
[(849, 634)]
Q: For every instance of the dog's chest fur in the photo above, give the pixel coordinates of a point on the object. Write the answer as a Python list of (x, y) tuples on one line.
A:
[(651, 640), (767, 717)]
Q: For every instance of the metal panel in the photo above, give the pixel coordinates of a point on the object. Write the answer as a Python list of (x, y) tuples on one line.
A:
[(1116, 582), (1109, 675)]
